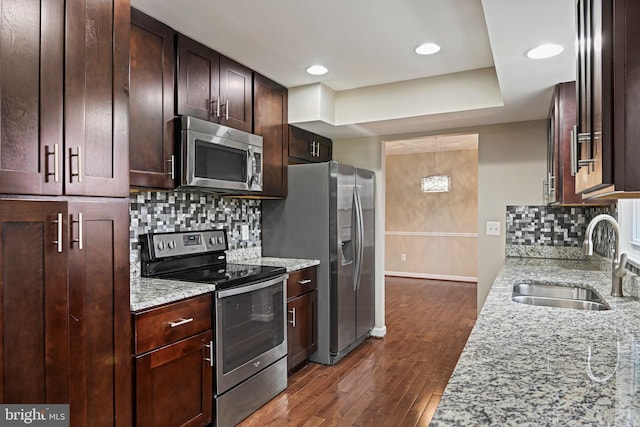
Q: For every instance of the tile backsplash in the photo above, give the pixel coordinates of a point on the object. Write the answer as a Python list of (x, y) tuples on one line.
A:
[(552, 225), (180, 211)]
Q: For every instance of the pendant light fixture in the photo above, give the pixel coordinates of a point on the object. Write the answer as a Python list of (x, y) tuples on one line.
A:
[(436, 183)]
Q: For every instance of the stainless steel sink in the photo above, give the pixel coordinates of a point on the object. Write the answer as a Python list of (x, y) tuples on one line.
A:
[(558, 295)]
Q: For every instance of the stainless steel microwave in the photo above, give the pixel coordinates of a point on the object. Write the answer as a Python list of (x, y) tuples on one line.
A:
[(216, 158)]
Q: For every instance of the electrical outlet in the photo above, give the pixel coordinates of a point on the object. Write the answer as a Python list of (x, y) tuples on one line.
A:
[(403, 257), (244, 231), (493, 228)]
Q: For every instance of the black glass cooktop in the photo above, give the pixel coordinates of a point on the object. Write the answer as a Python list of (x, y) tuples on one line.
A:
[(226, 275)]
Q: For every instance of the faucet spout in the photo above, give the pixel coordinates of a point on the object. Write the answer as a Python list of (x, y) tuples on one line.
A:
[(619, 259)]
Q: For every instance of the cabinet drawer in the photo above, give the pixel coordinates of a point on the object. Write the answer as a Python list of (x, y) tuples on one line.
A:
[(301, 281), (164, 325)]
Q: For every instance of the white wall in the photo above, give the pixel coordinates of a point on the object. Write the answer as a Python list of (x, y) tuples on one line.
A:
[(511, 168)]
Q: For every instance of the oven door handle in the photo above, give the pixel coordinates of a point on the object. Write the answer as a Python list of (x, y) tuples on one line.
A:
[(250, 288)]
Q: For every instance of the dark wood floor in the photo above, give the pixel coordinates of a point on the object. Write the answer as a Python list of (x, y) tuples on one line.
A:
[(395, 381)]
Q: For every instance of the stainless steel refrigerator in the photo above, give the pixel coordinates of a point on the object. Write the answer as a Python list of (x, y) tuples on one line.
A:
[(329, 215)]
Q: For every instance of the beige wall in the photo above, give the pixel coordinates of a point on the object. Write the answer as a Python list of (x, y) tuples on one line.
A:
[(427, 234), (511, 168)]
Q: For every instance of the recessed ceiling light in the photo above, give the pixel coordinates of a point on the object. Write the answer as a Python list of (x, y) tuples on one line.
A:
[(427, 49), (317, 70), (543, 51)]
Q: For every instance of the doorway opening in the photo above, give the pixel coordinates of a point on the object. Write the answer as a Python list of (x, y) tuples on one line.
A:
[(431, 207)]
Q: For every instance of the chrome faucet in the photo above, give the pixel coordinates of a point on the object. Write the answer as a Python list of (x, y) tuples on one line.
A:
[(619, 260)]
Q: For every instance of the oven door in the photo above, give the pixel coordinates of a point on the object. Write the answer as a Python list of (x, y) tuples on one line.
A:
[(210, 161), (251, 331)]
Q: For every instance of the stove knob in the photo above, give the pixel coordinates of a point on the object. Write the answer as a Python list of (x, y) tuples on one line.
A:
[(172, 244), (221, 240), (161, 245), (212, 240)]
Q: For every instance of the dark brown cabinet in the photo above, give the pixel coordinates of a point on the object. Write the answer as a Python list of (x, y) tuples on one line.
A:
[(64, 260), (607, 93), (151, 106), (174, 364), (96, 122), (213, 87), (307, 147), (560, 185), (31, 86), (65, 307), (270, 121), (64, 97), (302, 306)]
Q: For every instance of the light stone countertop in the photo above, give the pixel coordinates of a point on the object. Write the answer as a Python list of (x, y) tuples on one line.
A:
[(526, 365), (291, 264), (147, 292)]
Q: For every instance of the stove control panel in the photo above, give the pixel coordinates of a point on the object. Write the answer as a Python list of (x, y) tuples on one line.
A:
[(162, 245)]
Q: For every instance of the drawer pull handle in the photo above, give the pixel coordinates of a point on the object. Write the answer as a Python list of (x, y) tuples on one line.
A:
[(304, 282), (181, 322)]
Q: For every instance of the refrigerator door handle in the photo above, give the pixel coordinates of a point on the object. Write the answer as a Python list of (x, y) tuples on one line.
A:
[(359, 227)]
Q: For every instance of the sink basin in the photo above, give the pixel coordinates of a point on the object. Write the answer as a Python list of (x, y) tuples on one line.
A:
[(558, 295)]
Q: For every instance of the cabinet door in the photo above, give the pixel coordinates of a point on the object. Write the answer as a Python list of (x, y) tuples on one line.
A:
[(151, 103), (302, 332), (236, 95), (300, 142), (595, 96), (198, 80), (174, 384), (270, 115), (99, 317), (306, 147), (31, 79), (34, 356), (323, 148), (96, 97)]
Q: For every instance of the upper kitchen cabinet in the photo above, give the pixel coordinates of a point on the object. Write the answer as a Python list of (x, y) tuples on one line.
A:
[(31, 90), (307, 147), (213, 87), (63, 79), (151, 144), (96, 98), (270, 121), (608, 87), (561, 149)]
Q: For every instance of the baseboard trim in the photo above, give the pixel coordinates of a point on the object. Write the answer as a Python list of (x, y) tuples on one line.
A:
[(379, 332), (431, 276)]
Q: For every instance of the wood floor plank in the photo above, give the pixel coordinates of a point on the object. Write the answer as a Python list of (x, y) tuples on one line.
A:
[(394, 381)]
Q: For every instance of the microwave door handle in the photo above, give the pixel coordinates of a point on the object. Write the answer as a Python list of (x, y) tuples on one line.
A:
[(250, 167)]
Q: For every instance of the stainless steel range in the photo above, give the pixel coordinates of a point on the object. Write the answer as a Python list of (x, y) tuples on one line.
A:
[(249, 316)]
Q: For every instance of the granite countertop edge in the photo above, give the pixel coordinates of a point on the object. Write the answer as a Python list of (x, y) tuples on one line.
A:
[(148, 293), (543, 366)]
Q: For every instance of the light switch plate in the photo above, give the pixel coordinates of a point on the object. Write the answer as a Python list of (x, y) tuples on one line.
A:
[(493, 228)]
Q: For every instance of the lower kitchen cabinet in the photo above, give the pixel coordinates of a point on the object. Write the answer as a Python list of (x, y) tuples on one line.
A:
[(302, 307), (174, 373), (65, 307)]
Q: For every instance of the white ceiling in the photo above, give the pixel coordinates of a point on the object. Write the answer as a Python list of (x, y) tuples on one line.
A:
[(368, 45)]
